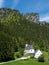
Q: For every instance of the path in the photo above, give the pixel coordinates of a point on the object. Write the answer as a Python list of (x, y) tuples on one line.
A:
[(22, 58)]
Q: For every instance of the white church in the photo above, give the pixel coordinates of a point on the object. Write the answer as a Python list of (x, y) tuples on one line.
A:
[(30, 50)]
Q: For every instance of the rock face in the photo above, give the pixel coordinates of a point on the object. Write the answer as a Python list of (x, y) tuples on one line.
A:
[(34, 17), (4, 12)]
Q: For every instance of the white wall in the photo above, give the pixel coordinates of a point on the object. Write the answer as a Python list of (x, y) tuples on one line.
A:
[(38, 54), (29, 51)]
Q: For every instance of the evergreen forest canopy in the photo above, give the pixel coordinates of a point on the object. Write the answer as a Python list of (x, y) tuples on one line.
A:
[(16, 30)]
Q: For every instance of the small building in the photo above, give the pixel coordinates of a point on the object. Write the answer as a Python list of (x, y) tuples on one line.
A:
[(38, 53), (29, 49)]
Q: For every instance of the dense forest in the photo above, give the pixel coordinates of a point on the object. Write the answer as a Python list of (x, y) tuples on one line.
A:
[(16, 31)]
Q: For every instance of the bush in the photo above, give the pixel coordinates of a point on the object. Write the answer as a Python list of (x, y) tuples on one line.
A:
[(41, 59), (21, 51), (17, 55), (32, 56), (25, 55)]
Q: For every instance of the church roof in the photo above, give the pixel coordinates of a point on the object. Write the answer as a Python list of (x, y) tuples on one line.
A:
[(28, 47)]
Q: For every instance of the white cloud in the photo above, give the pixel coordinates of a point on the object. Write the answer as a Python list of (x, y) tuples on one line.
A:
[(15, 3), (1, 3), (45, 18)]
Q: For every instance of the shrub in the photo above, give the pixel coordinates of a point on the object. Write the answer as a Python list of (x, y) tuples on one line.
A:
[(41, 59), (17, 55), (32, 56), (21, 52), (25, 55)]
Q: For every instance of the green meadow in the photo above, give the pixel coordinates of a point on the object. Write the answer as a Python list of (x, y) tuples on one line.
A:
[(26, 62), (29, 61)]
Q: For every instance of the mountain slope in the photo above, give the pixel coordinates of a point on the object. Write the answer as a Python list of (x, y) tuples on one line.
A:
[(17, 26)]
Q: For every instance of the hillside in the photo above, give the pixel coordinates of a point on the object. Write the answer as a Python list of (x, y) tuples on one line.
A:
[(16, 29), (15, 24)]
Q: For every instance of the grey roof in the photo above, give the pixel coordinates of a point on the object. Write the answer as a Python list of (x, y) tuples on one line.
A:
[(28, 47)]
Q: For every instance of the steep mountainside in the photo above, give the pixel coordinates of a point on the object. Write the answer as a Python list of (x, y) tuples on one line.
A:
[(34, 17), (24, 30)]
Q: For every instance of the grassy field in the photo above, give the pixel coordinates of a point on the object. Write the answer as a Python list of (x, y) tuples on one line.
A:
[(30, 61), (26, 62)]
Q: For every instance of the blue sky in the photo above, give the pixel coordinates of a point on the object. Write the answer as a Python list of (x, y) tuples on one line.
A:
[(28, 6)]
